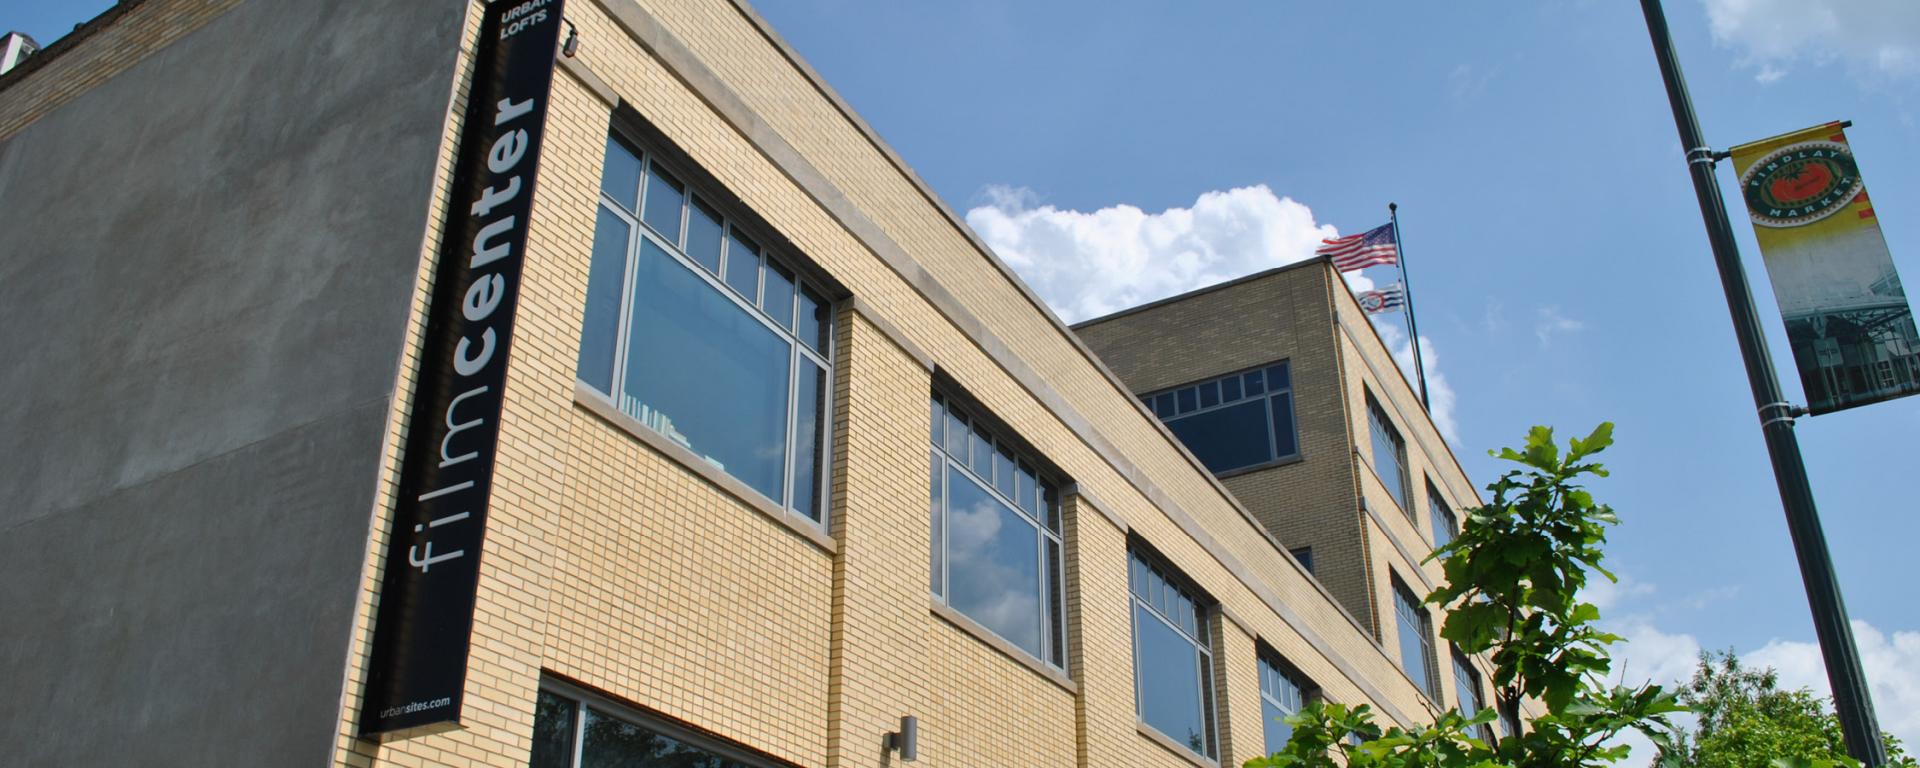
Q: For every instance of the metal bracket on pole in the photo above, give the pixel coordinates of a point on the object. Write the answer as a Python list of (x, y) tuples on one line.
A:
[(1703, 156), (1787, 412)]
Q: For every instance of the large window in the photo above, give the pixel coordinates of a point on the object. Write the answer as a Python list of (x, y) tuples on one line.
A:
[(1235, 421), (1390, 456), (706, 336), (995, 535), (1444, 523), (1416, 639), (1172, 658), (1282, 693), (1466, 689), (573, 731)]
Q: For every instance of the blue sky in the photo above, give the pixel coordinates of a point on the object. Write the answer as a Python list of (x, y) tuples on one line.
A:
[(1559, 263)]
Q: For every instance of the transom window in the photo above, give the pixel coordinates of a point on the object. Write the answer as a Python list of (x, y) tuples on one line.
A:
[(995, 534), (1172, 657), (1282, 693), (1416, 639), (1236, 421), (1444, 523), (576, 731), (706, 336), (1390, 456)]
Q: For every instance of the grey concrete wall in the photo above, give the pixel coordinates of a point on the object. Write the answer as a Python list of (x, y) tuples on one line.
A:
[(205, 268)]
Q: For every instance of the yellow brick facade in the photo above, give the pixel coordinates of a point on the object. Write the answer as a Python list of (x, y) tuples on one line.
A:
[(613, 566)]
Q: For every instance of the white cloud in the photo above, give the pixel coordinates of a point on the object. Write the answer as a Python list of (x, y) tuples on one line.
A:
[(1438, 388), (1551, 322), (1087, 264), (1875, 38), (1891, 663)]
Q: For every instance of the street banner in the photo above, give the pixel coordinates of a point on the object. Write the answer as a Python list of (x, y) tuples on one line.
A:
[(1848, 320), (422, 632)]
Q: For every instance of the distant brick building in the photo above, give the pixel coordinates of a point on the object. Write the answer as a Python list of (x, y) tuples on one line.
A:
[(783, 454)]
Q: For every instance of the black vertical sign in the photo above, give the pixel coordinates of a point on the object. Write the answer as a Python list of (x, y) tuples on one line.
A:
[(422, 633)]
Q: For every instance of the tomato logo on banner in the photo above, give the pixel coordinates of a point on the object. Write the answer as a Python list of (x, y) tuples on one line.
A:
[(1800, 184)]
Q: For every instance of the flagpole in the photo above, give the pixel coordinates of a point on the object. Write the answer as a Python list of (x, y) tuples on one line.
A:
[(1851, 700), (1406, 286)]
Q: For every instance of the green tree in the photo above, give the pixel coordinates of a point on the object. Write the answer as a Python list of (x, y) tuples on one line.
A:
[(1746, 719), (1513, 577)]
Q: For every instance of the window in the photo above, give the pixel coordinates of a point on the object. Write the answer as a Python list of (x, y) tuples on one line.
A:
[(995, 535), (574, 732), (1389, 455), (1172, 658), (1466, 688), (1416, 639), (1233, 422), (1305, 556), (1444, 523), (1282, 692), (705, 336)]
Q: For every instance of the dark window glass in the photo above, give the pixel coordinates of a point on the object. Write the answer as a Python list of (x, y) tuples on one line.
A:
[(1057, 627), (1280, 695), (706, 374), (1229, 389), (1189, 399), (814, 319), (665, 197), (936, 420), (1172, 662), (1508, 723), (993, 554), (1416, 638), (1255, 383), (1466, 691), (1228, 438), (614, 743), (1050, 507), (1026, 491), (981, 457), (809, 440), (777, 298), (600, 328), (1305, 556), (1209, 394), (1285, 439), (743, 265), (1278, 377), (620, 179), (1163, 405), (552, 732), (704, 233)]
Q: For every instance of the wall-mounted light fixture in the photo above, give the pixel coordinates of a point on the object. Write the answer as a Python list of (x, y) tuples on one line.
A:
[(572, 44), (906, 741)]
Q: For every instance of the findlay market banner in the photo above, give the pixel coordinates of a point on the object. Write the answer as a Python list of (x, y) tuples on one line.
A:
[(1847, 318), (421, 636)]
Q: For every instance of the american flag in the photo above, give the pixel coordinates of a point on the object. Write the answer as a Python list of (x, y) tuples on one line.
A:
[(1386, 299), (1374, 246)]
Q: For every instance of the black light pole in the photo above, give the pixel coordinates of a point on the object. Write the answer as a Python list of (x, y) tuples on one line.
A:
[(1850, 697)]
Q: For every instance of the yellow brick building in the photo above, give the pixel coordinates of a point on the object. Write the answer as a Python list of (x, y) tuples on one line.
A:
[(785, 454)]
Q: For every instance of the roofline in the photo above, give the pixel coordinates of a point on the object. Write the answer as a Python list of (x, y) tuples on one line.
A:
[(1201, 290), (47, 53)]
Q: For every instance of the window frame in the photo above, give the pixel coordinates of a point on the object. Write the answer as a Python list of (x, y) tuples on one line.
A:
[(1469, 682), (1050, 550), (800, 350), (646, 720), (1441, 517), (1272, 665), (1265, 398), (1405, 599), (1380, 424), (1203, 605)]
